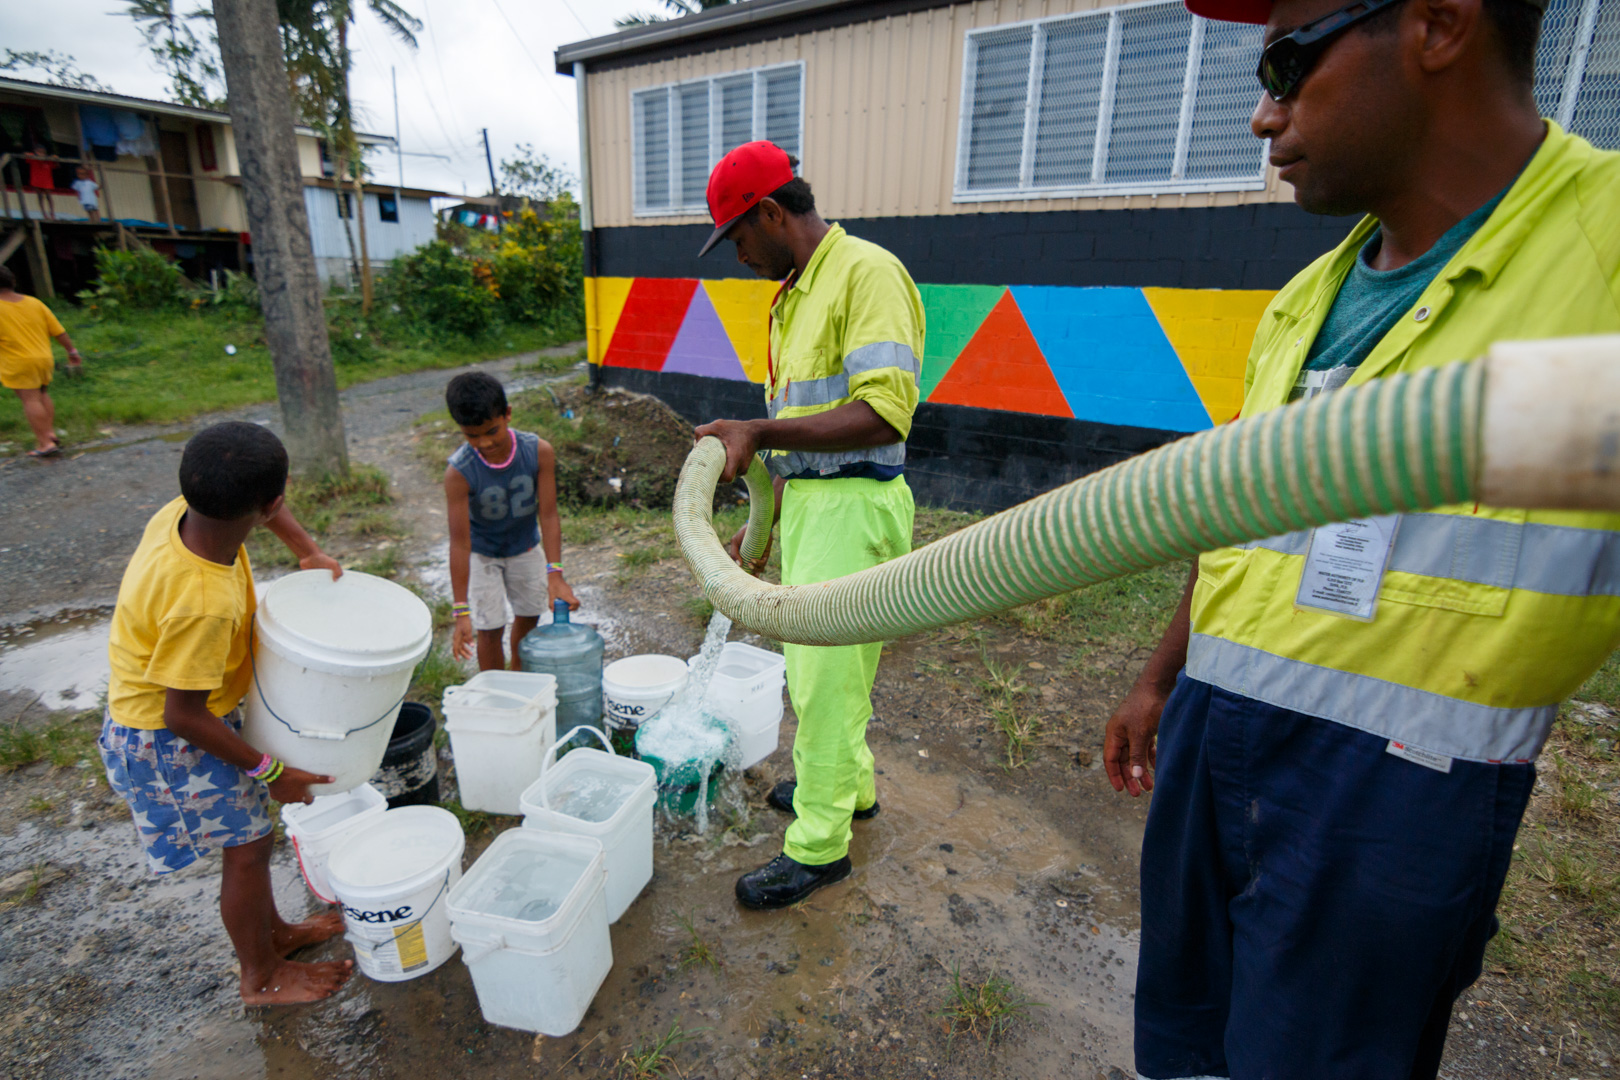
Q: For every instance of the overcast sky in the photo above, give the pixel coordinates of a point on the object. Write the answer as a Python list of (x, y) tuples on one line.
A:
[(479, 63)]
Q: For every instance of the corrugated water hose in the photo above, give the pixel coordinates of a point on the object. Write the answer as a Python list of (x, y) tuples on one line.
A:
[(1534, 424)]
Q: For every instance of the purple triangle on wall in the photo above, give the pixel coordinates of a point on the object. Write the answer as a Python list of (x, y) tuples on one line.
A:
[(702, 346)]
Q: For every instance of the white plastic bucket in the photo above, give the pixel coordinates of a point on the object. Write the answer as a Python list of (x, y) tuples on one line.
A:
[(392, 876), (635, 688), (745, 693), (331, 663), (531, 919), (610, 799), (318, 827), (501, 723)]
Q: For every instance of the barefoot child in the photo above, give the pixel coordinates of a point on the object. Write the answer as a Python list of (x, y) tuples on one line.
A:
[(501, 499), (180, 650)]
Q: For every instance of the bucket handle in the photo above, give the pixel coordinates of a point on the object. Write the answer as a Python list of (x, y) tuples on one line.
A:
[(329, 736), (451, 690), (370, 947), (474, 949), (551, 756)]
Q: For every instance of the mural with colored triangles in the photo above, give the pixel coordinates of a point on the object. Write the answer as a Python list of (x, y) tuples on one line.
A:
[(1170, 359)]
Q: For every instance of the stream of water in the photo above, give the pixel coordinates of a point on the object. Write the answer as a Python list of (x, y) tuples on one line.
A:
[(687, 732)]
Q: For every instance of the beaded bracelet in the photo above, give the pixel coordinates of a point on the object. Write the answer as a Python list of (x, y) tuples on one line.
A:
[(553, 567), (274, 773), (460, 609), (262, 767)]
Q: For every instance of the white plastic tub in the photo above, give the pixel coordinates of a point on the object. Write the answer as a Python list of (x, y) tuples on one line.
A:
[(595, 794), (392, 876), (501, 724), (746, 695), (636, 688), (531, 919), (318, 827), (332, 661)]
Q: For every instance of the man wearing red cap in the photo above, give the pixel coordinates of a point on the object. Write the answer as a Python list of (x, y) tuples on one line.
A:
[(846, 344), (1347, 718)]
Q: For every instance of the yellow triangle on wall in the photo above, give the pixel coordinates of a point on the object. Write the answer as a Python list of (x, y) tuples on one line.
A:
[(744, 307), (604, 303), (1211, 331)]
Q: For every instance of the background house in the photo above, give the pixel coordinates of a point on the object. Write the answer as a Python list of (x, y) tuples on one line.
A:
[(1072, 184), (169, 178)]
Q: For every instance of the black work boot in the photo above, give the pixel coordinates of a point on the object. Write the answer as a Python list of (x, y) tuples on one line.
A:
[(784, 881), (781, 798)]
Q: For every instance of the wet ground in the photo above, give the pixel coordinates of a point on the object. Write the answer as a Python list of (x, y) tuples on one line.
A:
[(1029, 874)]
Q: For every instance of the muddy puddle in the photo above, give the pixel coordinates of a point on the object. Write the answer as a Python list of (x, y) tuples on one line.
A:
[(54, 666)]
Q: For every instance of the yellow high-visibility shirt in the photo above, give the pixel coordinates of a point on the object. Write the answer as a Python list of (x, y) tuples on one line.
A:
[(850, 328), (1487, 617)]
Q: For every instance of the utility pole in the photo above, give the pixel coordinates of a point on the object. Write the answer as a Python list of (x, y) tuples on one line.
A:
[(399, 148), (272, 188), (500, 225)]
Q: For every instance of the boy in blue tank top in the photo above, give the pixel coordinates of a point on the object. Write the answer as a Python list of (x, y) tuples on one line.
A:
[(501, 500)]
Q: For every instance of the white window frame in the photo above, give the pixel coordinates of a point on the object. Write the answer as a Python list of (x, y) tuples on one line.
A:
[(1172, 185), (674, 99)]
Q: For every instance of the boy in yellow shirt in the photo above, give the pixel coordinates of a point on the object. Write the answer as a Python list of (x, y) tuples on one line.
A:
[(26, 364), (180, 649)]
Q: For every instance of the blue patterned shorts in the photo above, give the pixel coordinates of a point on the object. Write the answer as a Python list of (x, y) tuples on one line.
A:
[(186, 801)]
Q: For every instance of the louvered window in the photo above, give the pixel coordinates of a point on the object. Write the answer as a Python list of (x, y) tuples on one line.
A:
[(1142, 98), (679, 131), (1578, 68)]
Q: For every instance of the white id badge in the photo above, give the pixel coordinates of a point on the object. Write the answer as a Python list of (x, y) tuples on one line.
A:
[(1344, 565)]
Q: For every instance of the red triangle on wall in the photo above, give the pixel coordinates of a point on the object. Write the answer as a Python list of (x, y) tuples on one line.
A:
[(1002, 368), (652, 317)]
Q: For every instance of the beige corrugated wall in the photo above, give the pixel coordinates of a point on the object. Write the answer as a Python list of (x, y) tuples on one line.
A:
[(881, 112)]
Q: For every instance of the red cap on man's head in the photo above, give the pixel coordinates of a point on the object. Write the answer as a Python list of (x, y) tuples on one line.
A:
[(743, 177), (1238, 11)]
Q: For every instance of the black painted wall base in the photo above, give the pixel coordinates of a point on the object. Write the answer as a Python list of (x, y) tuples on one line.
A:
[(957, 457)]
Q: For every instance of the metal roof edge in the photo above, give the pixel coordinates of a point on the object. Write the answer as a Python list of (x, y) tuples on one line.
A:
[(690, 27), (166, 108)]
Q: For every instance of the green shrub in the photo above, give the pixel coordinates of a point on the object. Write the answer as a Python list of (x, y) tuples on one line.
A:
[(239, 292), (141, 279), (530, 282), (434, 287)]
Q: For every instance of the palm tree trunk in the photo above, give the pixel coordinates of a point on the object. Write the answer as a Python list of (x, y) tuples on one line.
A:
[(294, 321)]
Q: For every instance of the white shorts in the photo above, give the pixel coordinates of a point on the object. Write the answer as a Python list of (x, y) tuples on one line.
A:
[(491, 583)]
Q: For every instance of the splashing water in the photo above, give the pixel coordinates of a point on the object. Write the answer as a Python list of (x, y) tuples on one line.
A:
[(687, 732)]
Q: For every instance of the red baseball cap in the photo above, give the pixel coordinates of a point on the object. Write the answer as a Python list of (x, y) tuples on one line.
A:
[(743, 177), (1238, 11)]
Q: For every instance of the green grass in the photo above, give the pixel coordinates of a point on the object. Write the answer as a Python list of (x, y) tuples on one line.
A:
[(651, 1060), (472, 822), (1604, 685), (166, 366), (357, 505), (985, 1010), (697, 952), (436, 671), (61, 742)]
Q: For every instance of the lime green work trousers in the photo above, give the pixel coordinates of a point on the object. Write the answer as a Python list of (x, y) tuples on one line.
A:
[(831, 528)]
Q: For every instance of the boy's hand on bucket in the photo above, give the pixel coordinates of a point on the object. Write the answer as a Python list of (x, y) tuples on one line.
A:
[(461, 638), (292, 786)]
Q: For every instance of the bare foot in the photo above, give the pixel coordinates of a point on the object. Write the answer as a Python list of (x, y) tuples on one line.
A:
[(288, 938), (291, 983)]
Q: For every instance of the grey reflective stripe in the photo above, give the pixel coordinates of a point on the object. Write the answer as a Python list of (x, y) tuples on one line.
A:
[(797, 462), (816, 391), (1420, 718), (882, 354), (1555, 559)]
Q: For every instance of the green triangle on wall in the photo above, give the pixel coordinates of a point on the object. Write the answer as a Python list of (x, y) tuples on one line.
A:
[(954, 313)]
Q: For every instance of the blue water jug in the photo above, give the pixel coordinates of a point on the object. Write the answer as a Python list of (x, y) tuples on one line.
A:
[(573, 653)]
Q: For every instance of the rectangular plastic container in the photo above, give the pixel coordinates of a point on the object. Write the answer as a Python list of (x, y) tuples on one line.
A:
[(501, 724), (746, 694), (316, 828), (534, 974), (626, 833)]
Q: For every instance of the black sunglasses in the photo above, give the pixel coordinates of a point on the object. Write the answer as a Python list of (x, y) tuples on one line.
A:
[(1285, 62)]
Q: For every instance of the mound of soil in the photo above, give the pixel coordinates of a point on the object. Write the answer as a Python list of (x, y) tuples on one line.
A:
[(613, 447)]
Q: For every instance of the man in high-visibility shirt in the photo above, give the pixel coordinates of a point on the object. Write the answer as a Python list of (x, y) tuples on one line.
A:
[(1341, 771), (846, 344)]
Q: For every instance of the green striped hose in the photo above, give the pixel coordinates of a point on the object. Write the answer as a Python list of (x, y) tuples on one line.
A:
[(1407, 442)]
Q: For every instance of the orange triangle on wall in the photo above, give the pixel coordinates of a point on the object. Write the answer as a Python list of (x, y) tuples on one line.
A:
[(1002, 368)]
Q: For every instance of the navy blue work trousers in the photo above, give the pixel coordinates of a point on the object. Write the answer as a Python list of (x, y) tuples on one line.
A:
[(1311, 904)]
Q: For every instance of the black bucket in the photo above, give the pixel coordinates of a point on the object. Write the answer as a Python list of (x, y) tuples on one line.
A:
[(410, 769)]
